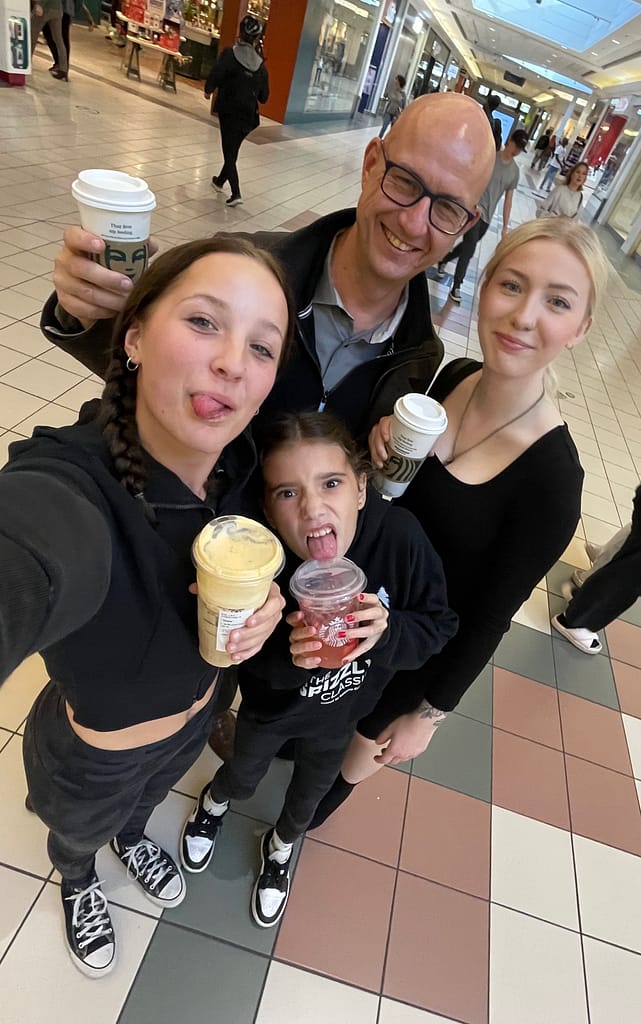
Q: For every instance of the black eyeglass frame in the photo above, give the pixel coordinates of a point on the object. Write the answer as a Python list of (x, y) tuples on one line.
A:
[(425, 192)]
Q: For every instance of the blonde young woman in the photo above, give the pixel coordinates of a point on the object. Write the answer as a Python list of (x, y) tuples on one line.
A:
[(500, 499), (565, 200)]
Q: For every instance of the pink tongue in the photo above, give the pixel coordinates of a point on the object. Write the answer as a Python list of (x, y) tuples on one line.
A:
[(322, 547), (206, 407)]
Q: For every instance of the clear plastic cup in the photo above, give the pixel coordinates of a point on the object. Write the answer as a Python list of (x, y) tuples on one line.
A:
[(326, 592), (236, 560)]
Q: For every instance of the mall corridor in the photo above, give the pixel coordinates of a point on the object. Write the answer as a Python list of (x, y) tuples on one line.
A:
[(494, 880)]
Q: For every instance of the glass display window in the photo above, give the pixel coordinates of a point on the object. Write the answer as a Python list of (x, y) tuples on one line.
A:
[(344, 31)]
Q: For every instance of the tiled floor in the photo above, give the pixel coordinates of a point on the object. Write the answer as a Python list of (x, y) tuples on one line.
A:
[(496, 879)]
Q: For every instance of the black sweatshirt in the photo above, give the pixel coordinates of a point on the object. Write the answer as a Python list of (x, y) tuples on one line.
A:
[(403, 569), (497, 540), (98, 589)]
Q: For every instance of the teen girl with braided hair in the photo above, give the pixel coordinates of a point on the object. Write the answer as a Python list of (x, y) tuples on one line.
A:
[(97, 525)]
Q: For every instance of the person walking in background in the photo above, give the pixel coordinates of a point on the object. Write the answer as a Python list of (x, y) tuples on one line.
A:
[(565, 199), (505, 178), (49, 12), (396, 102), (600, 554), (556, 164), (492, 103), (241, 78), (68, 11), (605, 593), (541, 152)]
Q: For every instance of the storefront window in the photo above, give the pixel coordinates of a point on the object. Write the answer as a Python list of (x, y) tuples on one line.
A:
[(260, 9), (343, 39), (627, 207)]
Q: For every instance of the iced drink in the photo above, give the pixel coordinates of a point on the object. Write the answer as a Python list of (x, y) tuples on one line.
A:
[(117, 207), (326, 592), (236, 560), (416, 424)]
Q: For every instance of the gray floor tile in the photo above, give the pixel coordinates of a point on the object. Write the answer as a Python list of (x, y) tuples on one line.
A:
[(633, 614), (459, 757), (585, 675), (217, 901), (406, 767), (527, 652), (558, 575), (477, 702), (191, 978)]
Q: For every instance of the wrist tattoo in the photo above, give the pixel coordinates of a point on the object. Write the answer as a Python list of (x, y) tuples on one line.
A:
[(436, 716)]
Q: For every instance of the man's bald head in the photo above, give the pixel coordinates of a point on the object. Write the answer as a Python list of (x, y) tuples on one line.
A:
[(459, 130)]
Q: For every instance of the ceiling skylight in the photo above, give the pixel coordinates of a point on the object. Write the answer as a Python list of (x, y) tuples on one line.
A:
[(577, 24)]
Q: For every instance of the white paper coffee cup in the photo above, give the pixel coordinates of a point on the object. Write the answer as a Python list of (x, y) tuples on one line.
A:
[(118, 207), (417, 422)]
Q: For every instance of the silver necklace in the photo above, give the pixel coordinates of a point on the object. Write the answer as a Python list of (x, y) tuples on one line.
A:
[(508, 423)]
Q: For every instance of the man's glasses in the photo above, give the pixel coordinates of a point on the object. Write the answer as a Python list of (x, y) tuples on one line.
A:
[(406, 189)]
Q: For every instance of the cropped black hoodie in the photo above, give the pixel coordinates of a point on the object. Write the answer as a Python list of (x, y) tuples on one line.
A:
[(403, 569), (97, 580)]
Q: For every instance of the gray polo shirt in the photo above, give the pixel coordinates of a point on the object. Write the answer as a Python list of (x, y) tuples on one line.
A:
[(338, 347), (505, 178)]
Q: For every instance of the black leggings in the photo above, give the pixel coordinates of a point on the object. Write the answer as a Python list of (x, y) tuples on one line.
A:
[(85, 795), (464, 251), (231, 139)]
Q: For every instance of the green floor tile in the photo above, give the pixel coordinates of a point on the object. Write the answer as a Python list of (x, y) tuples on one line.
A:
[(191, 978), (477, 702), (527, 652), (217, 901), (459, 757), (267, 802), (585, 675), (633, 614), (558, 575)]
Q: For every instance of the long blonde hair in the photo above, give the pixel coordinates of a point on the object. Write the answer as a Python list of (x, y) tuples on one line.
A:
[(580, 240)]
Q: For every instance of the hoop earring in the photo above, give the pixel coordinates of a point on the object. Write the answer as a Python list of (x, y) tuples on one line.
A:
[(131, 366)]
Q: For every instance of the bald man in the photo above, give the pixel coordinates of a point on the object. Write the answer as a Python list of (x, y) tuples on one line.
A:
[(364, 332)]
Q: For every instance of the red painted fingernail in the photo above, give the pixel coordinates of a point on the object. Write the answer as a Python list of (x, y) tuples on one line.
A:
[(350, 618), (361, 597), (342, 634)]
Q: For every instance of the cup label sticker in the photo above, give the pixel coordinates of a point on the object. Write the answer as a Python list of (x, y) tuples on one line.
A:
[(229, 619)]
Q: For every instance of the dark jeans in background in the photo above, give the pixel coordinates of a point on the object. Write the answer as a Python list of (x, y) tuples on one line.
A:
[(231, 139), (85, 795), (464, 251)]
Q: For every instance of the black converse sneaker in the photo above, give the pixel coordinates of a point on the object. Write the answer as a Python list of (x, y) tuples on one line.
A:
[(198, 839), (88, 928), (271, 888), (156, 872)]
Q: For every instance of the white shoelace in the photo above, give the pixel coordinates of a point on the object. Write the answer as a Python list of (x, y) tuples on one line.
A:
[(90, 919), (146, 861)]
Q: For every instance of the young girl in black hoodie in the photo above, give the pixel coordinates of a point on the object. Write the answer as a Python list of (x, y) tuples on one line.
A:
[(316, 498)]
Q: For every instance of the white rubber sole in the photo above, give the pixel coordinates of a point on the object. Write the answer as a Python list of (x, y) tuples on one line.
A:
[(577, 637), (254, 897), (95, 973)]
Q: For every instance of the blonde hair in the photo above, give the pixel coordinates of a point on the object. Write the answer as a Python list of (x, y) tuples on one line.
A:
[(578, 238)]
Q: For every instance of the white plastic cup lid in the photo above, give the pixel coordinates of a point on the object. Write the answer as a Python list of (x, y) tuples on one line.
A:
[(334, 579), (421, 413), (113, 190)]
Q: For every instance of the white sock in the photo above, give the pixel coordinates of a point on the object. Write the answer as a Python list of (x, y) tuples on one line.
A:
[(278, 850), (212, 807)]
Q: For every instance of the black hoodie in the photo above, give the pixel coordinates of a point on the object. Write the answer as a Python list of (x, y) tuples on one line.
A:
[(97, 580), (403, 569)]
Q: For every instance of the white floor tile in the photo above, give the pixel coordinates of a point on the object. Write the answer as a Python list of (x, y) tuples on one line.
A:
[(18, 306), (295, 995), (532, 868), (23, 837), (596, 530), (41, 379), (536, 971), (17, 893), (609, 883), (50, 415), (600, 508), (614, 992), (535, 612), (398, 1013), (5, 440), (632, 728), (19, 691), (79, 394), (16, 406), (575, 554), (38, 962), (22, 337)]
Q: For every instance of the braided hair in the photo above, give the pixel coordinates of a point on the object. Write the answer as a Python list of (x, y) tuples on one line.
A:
[(118, 409)]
